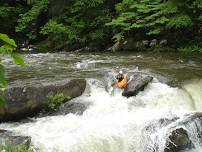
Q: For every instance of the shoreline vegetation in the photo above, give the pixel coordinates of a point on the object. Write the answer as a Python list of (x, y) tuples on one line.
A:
[(87, 25)]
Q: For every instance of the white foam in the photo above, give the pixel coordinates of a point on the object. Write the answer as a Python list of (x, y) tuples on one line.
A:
[(110, 124)]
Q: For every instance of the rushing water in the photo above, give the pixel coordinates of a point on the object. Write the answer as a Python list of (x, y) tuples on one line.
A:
[(112, 123)]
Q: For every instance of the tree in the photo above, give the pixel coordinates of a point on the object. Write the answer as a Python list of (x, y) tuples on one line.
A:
[(28, 22), (9, 16), (154, 17), (82, 22)]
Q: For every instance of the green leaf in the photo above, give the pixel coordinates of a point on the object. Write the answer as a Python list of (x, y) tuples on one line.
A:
[(3, 81), (6, 49), (179, 21), (154, 31), (118, 37), (7, 40), (18, 59)]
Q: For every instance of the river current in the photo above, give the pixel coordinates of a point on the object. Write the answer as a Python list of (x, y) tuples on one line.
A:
[(112, 123)]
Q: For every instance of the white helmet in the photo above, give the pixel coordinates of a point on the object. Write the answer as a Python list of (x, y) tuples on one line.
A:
[(120, 72)]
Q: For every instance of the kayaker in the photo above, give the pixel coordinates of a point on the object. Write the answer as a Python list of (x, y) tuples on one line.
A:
[(122, 80)]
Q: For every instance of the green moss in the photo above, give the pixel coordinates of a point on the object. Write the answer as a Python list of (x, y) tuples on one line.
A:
[(190, 49), (164, 49), (18, 148), (55, 100)]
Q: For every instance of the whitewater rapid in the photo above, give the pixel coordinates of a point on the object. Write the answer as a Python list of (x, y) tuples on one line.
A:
[(112, 123)]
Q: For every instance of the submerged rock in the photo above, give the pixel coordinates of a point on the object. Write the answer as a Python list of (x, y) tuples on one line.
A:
[(72, 107), (178, 140), (136, 84), (22, 101), (9, 140)]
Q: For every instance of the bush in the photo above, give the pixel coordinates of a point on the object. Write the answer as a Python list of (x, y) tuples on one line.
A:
[(191, 49), (55, 100)]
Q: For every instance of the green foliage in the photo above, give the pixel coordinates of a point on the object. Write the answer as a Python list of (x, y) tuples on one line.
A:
[(7, 40), (55, 100), (83, 21), (9, 16), (18, 59), (191, 49), (91, 23), (44, 46), (179, 21), (59, 33), (8, 47), (154, 17), (27, 23), (18, 148)]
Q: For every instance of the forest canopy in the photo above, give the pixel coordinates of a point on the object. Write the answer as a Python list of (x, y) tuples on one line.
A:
[(74, 24)]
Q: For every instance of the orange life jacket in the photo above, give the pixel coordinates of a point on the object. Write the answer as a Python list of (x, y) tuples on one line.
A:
[(122, 83)]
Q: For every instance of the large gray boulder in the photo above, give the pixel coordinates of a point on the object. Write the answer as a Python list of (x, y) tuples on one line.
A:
[(136, 84), (22, 101), (179, 139), (10, 141), (177, 133)]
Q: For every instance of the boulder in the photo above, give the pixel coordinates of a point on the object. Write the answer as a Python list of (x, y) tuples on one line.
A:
[(153, 129), (22, 101), (163, 42), (153, 43), (178, 140), (177, 133), (136, 84), (145, 43), (72, 107), (9, 140)]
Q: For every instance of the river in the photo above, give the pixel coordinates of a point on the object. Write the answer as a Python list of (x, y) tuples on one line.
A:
[(111, 123)]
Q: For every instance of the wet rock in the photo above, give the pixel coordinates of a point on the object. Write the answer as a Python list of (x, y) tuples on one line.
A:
[(116, 47), (136, 84), (5, 132), (72, 107), (139, 45), (133, 44), (153, 43), (157, 124), (86, 48), (145, 43), (194, 122), (177, 134), (152, 144), (22, 101), (178, 140), (163, 42), (8, 139)]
